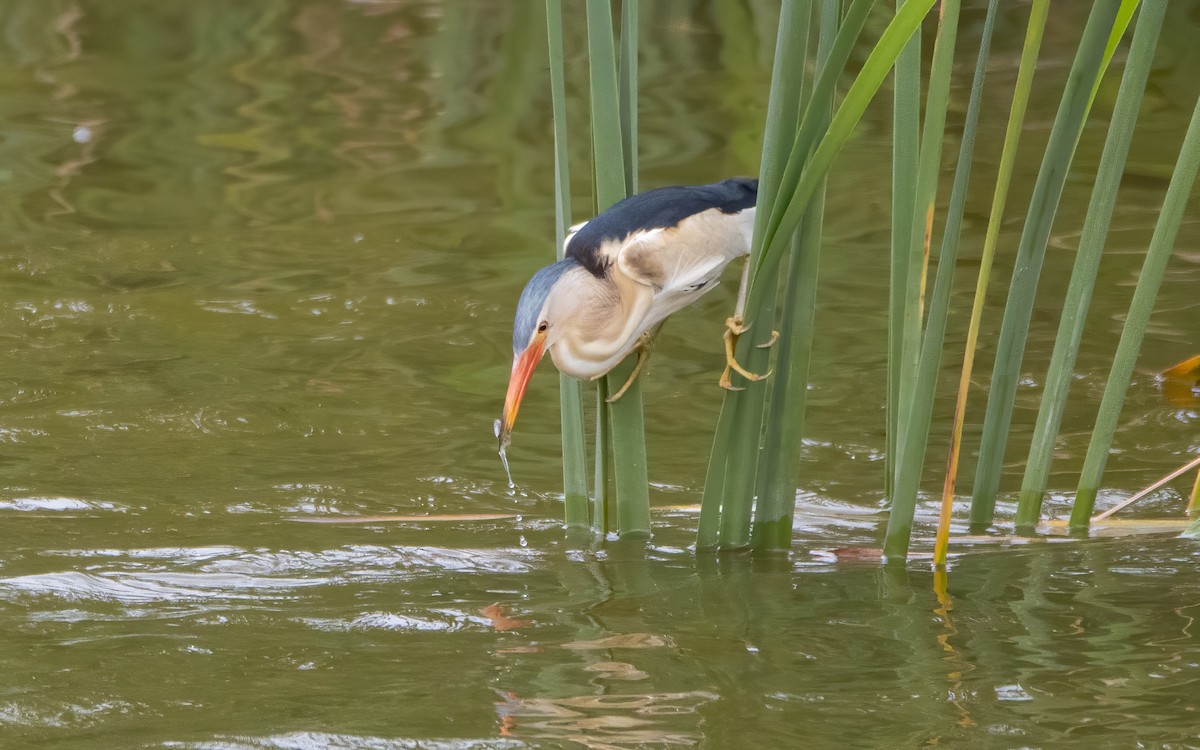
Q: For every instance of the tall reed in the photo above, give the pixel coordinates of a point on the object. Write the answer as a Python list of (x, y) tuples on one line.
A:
[(729, 524), (1051, 178), (1008, 156), (726, 511), (570, 394), (1149, 280), (1087, 261), (914, 439), (621, 485), (906, 155), (718, 520), (778, 478)]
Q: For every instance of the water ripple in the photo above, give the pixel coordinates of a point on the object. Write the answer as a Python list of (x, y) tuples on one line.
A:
[(230, 573), (450, 621), (375, 561), (58, 504), (62, 715), (134, 588), (326, 741)]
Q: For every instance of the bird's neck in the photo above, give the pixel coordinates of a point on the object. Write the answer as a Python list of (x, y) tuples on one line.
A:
[(621, 306)]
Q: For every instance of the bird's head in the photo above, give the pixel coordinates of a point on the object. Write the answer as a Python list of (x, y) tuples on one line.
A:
[(543, 311)]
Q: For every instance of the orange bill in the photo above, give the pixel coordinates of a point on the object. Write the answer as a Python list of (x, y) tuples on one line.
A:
[(522, 370)]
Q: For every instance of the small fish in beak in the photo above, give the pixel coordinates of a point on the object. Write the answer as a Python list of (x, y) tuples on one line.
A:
[(505, 438)]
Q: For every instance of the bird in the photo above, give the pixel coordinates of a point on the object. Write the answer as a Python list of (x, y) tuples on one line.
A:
[(621, 275)]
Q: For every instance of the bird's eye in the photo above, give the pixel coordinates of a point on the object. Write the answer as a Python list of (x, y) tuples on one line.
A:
[(543, 326)]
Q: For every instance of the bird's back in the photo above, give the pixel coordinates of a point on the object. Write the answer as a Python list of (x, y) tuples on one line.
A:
[(655, 209)]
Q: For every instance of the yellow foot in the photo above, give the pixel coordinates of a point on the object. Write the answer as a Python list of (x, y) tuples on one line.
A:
[(644, 346), (735, 326), (733, 329), (628, 382)]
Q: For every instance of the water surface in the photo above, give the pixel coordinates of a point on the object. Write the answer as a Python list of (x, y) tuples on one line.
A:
[(259, 264)]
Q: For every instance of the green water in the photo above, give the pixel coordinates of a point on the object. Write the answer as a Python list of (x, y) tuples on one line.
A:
[(258, 267)]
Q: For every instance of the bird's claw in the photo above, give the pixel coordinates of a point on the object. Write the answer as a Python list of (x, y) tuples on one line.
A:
[(735, 326), (624, 388), (643, 354), (769, 344), (733, 329), (726, 383)]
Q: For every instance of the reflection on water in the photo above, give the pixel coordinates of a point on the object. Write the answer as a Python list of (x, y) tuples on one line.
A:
[(259, 262), (372, 645), (601, 722)]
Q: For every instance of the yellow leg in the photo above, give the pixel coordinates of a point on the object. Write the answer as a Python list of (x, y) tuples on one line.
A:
[(644, 346), (733, 329)]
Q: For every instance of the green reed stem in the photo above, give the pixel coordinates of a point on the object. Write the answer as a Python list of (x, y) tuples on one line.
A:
[(718, 507), (741, 471), (1153, 268), (906, 157), (1087, 261), (608, 150), (1120, 26), (603, 494), (805, 138), (629, 91), (624, 417), (799, 183), (1008, 156), (921, 218), (919, 413), (808, 173), (570, 396), (708, 531), (935, 336), (746, 407), (1014, 329), (780, 458)]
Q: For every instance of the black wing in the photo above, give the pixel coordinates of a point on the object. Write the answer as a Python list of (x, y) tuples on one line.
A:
[(655, 209)]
